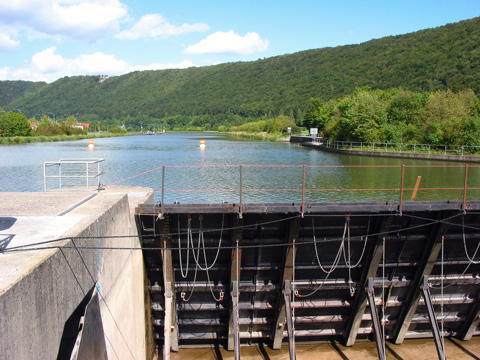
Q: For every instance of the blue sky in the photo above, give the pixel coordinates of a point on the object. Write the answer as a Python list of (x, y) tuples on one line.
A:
[(43, 40)]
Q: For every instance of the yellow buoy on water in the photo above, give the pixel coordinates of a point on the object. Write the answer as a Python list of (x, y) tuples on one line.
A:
[(202, 144), (90, 145)]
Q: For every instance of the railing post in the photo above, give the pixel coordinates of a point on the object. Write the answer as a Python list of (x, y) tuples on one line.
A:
[(303, 191), (465, 187), (240, 208), (401, 188), (163, 193), (86, 168), (60, 175)]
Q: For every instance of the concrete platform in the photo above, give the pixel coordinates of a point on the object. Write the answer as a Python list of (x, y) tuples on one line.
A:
[(40, 285)]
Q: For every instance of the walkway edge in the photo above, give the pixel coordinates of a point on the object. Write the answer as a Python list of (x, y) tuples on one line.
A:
[(393, 154)]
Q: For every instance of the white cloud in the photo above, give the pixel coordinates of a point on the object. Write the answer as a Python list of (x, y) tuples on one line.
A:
[(98, 63), (8, 38), (229, 42), (181, 65), (155, 25), (49, 66), (72, 19)]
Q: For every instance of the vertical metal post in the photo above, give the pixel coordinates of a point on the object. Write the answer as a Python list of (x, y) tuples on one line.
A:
[(163, 194), (240, 208), (287, 293), (168, 321), (60, 175), (401, 188), (44, 177), (86, 168), (167, 324), (303, 191), (465, 187), (433, 319), (236, 323)]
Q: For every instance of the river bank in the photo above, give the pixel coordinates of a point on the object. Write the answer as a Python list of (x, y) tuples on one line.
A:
[(303, 141), (54, 138)]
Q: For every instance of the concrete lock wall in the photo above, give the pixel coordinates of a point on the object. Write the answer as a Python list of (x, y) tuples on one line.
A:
[(35, 309)]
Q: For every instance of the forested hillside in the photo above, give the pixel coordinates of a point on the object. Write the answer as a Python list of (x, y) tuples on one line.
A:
[(446, 57), (12, 90)]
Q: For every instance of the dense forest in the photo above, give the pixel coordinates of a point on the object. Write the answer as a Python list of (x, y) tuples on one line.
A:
[(11, 90)]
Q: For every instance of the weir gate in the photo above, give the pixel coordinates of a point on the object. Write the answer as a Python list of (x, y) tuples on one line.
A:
[(273, 273)]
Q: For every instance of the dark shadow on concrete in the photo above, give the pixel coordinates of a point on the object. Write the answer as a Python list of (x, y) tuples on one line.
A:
[(72, 328), (6, 222), (397, 357), (216, 348), (5, 240), (263, 352), (338, 350), (466, 351)]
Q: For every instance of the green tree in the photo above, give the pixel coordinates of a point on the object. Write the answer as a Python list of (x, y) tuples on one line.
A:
[(14, 124)]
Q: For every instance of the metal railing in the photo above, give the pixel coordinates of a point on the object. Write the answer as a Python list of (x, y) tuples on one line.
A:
[(400, 190), (460, 150), (71, 173)]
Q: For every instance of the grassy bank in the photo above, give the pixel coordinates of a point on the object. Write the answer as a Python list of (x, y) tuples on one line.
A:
[(54, 138), (262, 136)]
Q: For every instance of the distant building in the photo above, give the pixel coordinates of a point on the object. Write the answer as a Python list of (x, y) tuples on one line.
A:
[(82, 126)]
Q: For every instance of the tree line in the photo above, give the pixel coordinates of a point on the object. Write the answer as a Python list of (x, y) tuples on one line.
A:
[(399, 116)]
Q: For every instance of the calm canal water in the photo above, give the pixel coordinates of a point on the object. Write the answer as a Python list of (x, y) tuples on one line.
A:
[(21, 169)]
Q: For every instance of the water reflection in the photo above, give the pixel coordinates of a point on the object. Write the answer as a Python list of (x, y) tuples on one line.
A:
[(22, 170)]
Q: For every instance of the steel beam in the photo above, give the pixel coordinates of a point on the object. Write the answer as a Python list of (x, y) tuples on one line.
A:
[(287, 295), (317, 208), (473, 319), (429, 256), (236, 261), (169, 280), (279, 325), (372, 262), (167, 326), (235, 322), (433, 319), (376, 323)]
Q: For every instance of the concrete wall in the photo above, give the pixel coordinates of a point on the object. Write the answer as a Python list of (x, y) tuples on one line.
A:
[(467, 158), (34, 309)]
